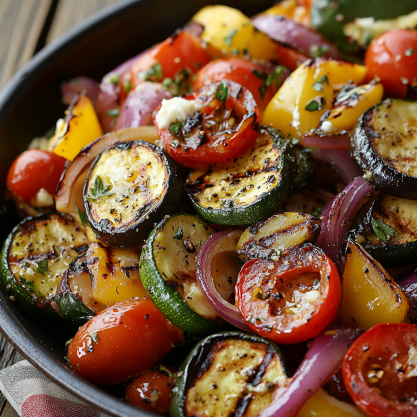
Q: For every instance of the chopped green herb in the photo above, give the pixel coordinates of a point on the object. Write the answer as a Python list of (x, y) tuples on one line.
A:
[(260, 74), (113, 112), (367, 37), (222, 92), (316, 51), (249, 320), (260, 319), (99, 189), (316, 213), (235, 51), (166, 82), (29, 285), (178, 235), (144, 100), (245, 51), (27, 264), (82, 216), (42, 267), (197, 64), (409, 52), (127, 85), (229, 37), (382, 230), (315, 104), (175, 127), (175, 143), (68, 341), (154, 73), (318, 85), (237, 259), (275, 76), (114, 79)]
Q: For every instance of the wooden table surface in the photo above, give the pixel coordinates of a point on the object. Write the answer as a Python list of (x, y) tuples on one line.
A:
[(25, 27)]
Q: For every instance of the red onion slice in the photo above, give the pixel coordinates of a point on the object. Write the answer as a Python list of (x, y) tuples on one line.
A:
[(340, 161), (409, 286), (139, 105), (341, 142), (338, 217), (322, 360), (295, 35), (221, 242), (79, 85)]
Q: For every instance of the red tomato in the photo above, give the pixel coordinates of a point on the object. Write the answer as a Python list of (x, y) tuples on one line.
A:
[(219, 132), (393, 58), (290, 57), (240, 71), (32, 170), (290, 300), (177, 58), (151, 391), (121, 342), (379, 370)]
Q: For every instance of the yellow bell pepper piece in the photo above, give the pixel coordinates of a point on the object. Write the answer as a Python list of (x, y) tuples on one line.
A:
[(291, 9), (307, 93), (322, 404), (345, 115), (80, 128), (228, 32), (369, 295)]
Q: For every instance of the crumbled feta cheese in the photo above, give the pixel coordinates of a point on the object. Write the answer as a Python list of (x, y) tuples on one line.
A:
[(312, 296), (327, 126), (176, 109), (295, 118), (412, 363), (44, 199)]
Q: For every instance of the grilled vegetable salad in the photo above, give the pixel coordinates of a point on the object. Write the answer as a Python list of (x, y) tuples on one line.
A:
[(256, 185)]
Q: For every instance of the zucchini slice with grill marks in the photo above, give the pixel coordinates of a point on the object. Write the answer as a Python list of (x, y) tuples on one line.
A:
[(247, 190), (35, 256), (229, 374), (389, 231), (167, 270), (130, 186), (384, 144)]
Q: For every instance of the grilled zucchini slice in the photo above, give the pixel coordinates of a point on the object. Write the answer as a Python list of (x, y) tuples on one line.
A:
[(35, 256), (229, 374), (167, 270), (384, 144), (130, 186), (247, 190)]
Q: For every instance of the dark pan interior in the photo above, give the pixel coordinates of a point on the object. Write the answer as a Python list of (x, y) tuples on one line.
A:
[(30, 104)]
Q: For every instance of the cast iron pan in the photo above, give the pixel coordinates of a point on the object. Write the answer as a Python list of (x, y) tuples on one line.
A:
[(30, 104)]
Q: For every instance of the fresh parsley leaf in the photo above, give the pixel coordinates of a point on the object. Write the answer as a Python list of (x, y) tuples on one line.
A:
[(222, 92), (318, 85), (382, 230), (178, 235), (316, 213), (275, 76), (315, 104), (154, 73), (82, 216), (260, 74), (175, 127), (409, 52), (29, 285), (99, 189), (229, 37), (42, 267), (114, 79), (113, 112), (127, 85), (316, 51)]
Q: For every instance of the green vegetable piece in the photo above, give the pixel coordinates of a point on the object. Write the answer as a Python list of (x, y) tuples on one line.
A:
[(315, 104), (154, 73), (275, 76), (42, 267), (178, 235), (29, 285), (318, 85), (82, 216), (229, 37), (222, 92), (409, 52), (382, 230), (99, 190), (114, 79), (175, 127), (127, 85), (113, 112)]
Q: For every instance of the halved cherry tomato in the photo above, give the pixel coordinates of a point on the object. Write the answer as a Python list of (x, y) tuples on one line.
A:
[(380, 370), (220, 132), (176, 58), (243, 72), (393, 58), (292, 299), (33, 170), (290, 57), (151, 391), (121, 342)]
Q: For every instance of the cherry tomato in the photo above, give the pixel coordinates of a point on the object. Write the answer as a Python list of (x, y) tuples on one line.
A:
[(32, 170), (393, 58), (290, 57), (151, 391), (121, 342), (290, 300), (379, 370), (176, 58), (240, 71), (218, 133)]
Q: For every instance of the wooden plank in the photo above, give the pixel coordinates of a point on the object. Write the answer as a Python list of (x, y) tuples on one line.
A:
[(71, 12), (21, 22)]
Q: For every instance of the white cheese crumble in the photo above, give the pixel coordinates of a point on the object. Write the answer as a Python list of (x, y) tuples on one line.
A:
[(412, 363), (327, 127), (312, 296), (44, 199), (295, 118), (176, 109)]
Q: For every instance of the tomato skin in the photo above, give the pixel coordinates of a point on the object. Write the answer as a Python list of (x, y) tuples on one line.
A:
[(121, 342), (276, 282), (393, 58), (151, 391), (32, 170), (386, 346), (239, 71), (203, 150), (290, 57)]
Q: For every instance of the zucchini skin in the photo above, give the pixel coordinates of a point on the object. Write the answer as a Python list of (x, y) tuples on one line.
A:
[(394, 256), (137, 231), (191, 365), (384, 176), (304, 169), (169, 301)]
